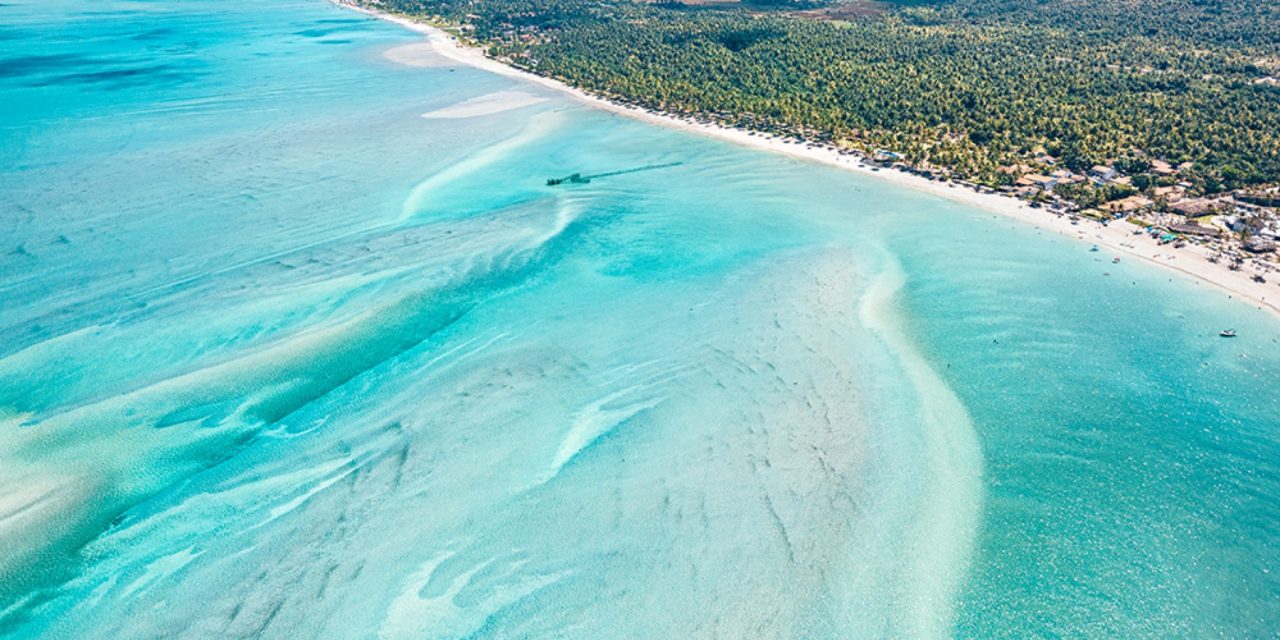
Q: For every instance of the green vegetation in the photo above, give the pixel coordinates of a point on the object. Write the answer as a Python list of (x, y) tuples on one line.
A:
[(968, 85)]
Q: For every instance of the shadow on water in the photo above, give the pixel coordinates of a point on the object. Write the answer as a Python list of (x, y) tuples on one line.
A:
[(21, 66), (56, 70)]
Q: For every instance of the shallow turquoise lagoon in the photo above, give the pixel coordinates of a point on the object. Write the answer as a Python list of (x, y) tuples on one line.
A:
[(279, 357)]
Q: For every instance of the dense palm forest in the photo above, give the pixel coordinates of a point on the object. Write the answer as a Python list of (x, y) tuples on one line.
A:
[(969, 85)]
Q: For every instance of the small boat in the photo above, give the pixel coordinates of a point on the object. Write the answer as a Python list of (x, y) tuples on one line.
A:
[(1115, 261), (575, 178), (1227, 333), (1094, 248)]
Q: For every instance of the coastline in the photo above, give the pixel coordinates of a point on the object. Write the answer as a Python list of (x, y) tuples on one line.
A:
[(1117, 238)]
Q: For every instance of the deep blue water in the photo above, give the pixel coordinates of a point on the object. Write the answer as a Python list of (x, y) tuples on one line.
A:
[(279, 357)]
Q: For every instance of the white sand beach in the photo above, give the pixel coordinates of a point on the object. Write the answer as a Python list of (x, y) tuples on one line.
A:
[(1117, 239)]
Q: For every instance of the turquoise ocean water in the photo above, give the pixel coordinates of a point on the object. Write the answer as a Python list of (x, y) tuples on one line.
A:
[(281, 358)]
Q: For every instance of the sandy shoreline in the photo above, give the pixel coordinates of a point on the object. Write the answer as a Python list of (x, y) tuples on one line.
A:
[(1116, 239)]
